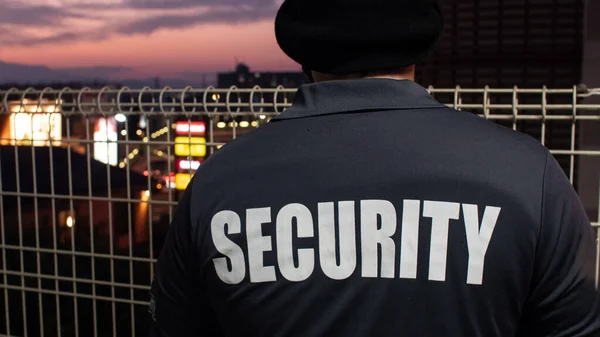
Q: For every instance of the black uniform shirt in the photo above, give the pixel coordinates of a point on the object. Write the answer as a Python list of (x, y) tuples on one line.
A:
[(370, 209)]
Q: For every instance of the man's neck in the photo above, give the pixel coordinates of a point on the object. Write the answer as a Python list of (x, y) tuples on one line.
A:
[(392, 77), (407, 74)]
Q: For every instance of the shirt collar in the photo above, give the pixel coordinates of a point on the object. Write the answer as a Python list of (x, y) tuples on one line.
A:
[(332, 97)]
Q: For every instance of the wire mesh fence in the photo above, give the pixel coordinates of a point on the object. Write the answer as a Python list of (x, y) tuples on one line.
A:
[(90, 179)]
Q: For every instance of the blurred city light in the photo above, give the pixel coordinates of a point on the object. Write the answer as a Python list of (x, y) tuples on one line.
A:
[(121, 118)]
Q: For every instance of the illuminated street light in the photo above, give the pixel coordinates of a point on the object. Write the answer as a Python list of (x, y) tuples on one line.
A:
[(70, 222), (121, 118)]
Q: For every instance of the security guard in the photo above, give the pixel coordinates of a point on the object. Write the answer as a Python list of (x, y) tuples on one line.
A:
[(370, 209)]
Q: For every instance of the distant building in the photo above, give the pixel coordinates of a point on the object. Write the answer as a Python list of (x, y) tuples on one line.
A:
[(588, 135), (242, 77), (528, 43)]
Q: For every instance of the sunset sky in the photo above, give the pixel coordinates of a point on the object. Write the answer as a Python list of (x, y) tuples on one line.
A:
[(144, 37)]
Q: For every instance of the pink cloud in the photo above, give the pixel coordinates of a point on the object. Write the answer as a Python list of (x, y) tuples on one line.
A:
[(208, 48)]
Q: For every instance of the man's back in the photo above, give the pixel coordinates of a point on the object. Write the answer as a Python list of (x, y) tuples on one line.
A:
[(386, 214)]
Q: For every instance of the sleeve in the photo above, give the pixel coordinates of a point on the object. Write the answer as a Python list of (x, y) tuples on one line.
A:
[(563, 299), (178, 304)]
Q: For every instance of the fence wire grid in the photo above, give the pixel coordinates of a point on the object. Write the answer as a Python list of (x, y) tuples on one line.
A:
[(90, 178)]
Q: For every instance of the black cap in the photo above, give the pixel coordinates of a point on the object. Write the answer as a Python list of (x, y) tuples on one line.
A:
[(346, 36)]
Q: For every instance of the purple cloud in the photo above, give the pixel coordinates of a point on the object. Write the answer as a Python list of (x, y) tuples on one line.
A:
[(170, 16), (233, 15), (34, 16)]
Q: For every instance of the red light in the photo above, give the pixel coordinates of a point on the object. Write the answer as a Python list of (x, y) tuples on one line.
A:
[(146, 173), (190, 128)]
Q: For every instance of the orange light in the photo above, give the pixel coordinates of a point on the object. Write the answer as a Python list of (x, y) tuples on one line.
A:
[(182, 180), (159, 186)]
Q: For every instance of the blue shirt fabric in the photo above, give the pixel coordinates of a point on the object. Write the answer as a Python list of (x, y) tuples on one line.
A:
[(370, 209)]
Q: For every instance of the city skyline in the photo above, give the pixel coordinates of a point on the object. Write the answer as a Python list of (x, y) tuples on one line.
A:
[(141, 38)]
